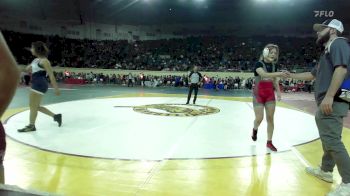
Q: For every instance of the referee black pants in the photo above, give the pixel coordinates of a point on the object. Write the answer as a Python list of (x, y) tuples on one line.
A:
[(193, 86)]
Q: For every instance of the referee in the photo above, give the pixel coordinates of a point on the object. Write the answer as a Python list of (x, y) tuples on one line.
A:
[(194, 78)]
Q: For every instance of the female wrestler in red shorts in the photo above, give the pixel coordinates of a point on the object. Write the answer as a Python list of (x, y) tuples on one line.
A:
[(266, 82)]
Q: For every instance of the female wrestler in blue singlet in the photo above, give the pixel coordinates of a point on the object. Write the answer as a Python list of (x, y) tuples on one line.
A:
[(40, 67)]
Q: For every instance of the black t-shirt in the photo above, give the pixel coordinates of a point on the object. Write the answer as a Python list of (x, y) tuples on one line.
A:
[(267, 65)]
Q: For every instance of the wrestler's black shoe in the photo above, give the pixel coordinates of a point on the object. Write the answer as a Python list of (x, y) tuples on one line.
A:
[(255, 135), (58, 119), (28, 128)]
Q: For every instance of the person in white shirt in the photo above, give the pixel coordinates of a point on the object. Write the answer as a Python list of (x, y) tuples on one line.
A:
[(194, 78), (130, 78)]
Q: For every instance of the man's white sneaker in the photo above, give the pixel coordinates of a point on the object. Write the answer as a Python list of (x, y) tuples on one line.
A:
[(341, 190), (317, 172)]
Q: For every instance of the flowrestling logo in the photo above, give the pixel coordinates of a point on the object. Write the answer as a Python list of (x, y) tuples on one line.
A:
[(324, 13)]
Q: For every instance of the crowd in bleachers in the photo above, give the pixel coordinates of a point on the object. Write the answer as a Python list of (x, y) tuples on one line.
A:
[(151, 80), (141, 79), (224, 54), (210, 53)]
